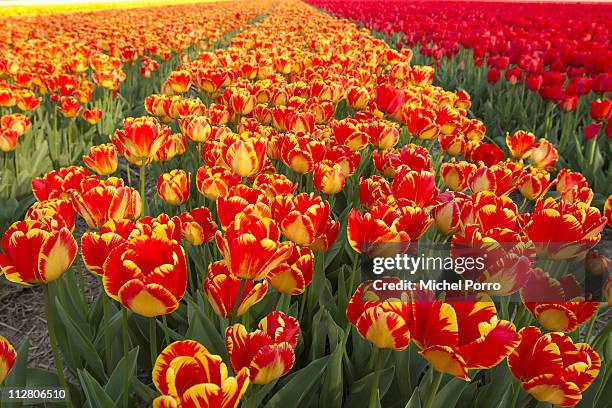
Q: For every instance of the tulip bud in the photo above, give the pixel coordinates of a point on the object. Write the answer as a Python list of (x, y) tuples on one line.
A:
[(455, 175), (8, 140), (92, 116), (174, 187), (446, 217), (328, 177), (596, 264), (69, 107), (535, 183), (197, 226), (8, 356), (102, 159), (592, 130)]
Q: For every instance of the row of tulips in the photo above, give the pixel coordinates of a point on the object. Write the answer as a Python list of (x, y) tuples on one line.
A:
[(72, 79), (536, 71), (310, 140)]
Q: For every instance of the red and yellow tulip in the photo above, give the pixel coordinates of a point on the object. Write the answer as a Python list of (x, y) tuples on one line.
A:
[(552, 368), (36, 252), (147, 275), (173, 187), (222, 289), (268, 352), (187, 375), (8, 355)]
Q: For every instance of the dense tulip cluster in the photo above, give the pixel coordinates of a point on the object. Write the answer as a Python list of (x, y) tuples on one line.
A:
[(69, 57), (534, 42), (314, 147)]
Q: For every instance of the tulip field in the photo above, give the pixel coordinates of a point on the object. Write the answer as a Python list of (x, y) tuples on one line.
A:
[(321, 203)]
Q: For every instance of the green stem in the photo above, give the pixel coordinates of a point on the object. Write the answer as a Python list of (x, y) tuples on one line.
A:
[(192, 288), (591, 324), (591, 152), (283, 302), (353, 272), (82, 284), (53, 340), (153, 339), (435, 384), (238, 296), (166, 331), (527, 402), (142, 189), (515, 393), (374, 389), (303, 301), (107, 351), (126, 354), (129, 173)]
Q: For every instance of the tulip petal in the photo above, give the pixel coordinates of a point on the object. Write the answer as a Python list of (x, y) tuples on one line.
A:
[(553, 389), (556, 317), (165, 401), (189, 348), (147, 300), (271, 362), (56, 254), (444, 359), (497, 341), (384, 329)]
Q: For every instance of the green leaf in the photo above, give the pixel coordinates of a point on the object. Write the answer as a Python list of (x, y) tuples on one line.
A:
[(203, 330), (114, 386), (40, 378), (491, 393), (258, 393), (95, 396), (332, 388), (84, 346), (300, 387), (144, 392), (450, 393), (415, 399), (360, 390)]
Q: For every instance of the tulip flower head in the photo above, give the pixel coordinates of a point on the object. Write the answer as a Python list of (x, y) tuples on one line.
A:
[(102, 159), (173, 187), (187, 374), (8, 355), (198, 226), (251, 247), (384, 324), (146, 274), (269, 352), (552, 368), (222, 288), (36, 252), (461, 335)]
